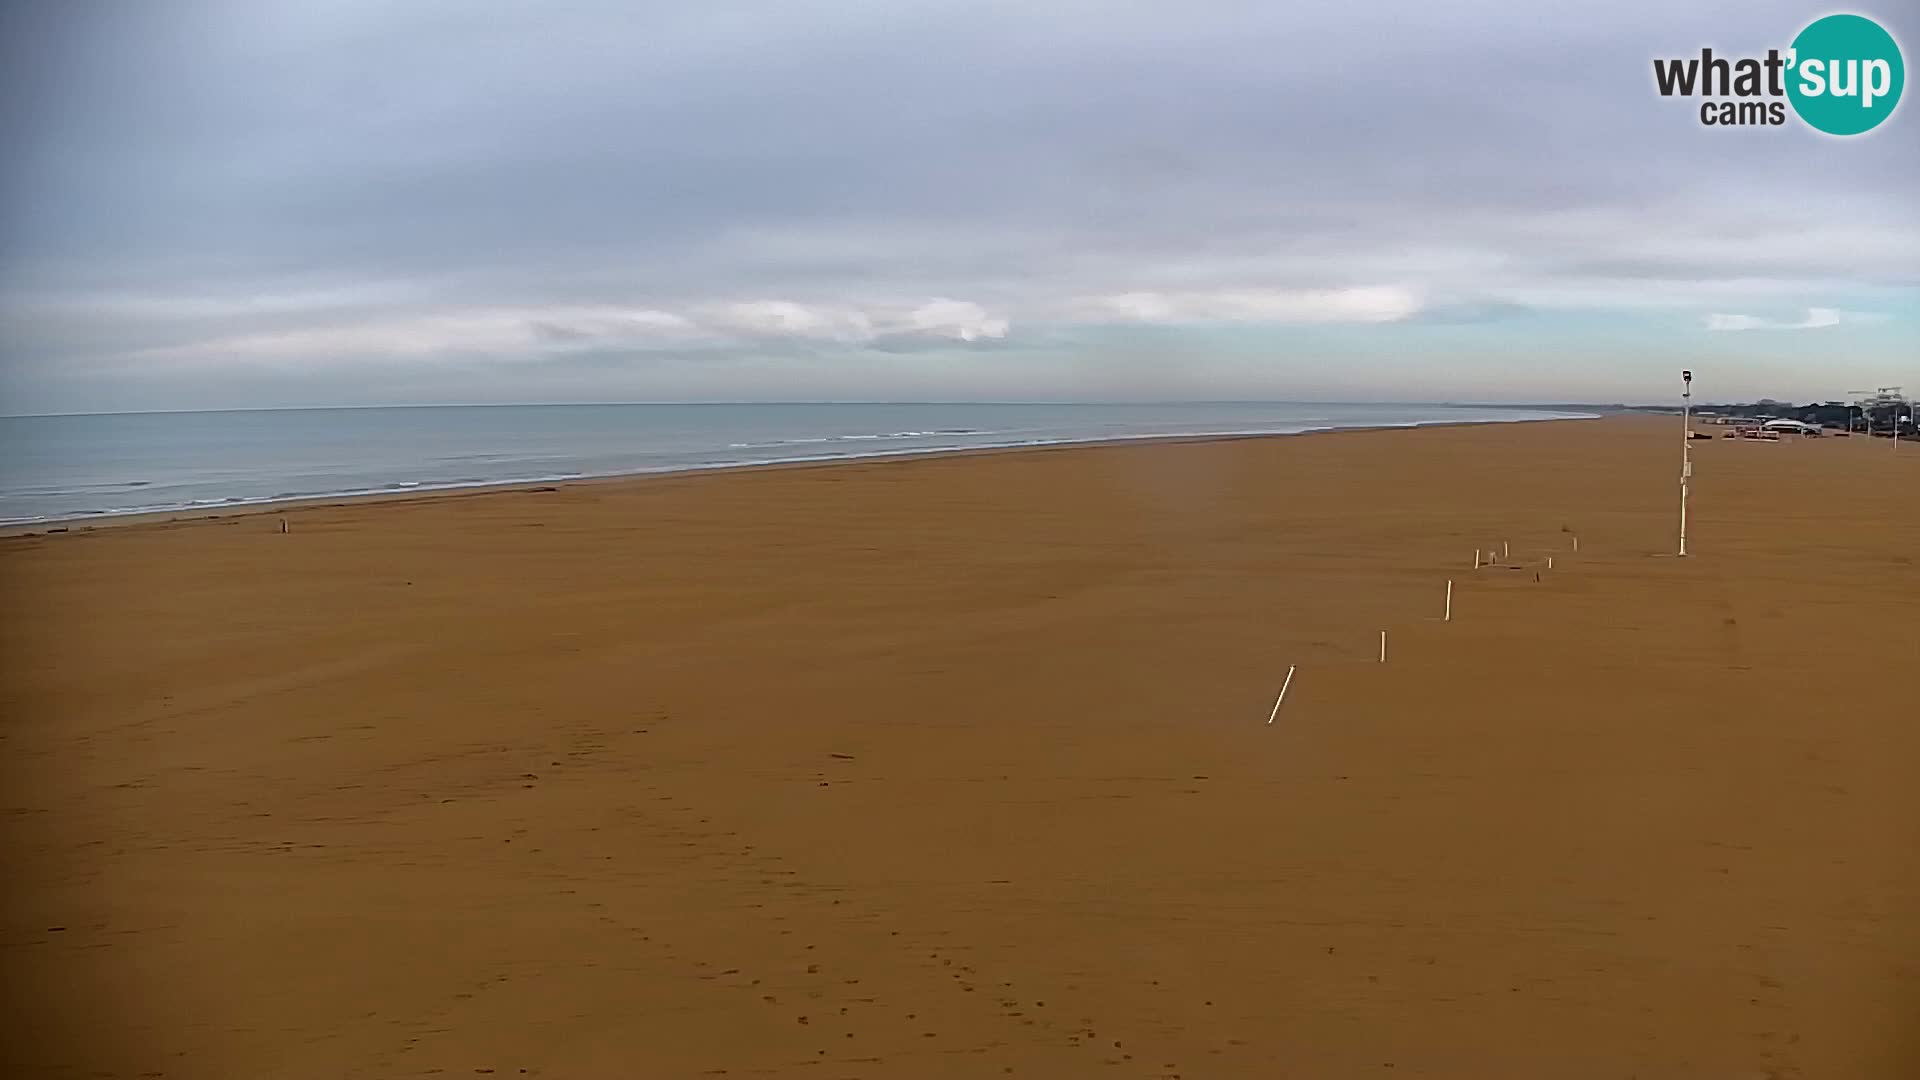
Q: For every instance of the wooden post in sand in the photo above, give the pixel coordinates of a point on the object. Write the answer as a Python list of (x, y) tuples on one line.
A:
[(1283, 695), (1549, 562), (1449, 615), (1383, 646), (1476, 558), (1576, 543), (283, 525), (1505, 551)]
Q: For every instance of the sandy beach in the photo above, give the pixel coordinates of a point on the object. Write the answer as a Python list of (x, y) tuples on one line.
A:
[(959, 767)]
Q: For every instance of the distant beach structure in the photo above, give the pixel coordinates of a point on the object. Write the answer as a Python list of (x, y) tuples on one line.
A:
[(1791, 427)]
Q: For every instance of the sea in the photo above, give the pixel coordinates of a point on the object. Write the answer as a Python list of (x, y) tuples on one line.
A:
[(78, 467)]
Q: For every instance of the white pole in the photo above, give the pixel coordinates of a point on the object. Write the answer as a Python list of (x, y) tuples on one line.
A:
[(1686, 451), (1576, 544), (1449, 615), (1282, 697), (1549, 562), (1476, 558), (1505, 551), (1383, 646)]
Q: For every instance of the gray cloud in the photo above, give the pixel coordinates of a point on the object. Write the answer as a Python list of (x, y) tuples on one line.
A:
[(292, 189)]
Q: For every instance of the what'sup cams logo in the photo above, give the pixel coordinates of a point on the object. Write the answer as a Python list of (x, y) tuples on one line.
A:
[(1842, 75)]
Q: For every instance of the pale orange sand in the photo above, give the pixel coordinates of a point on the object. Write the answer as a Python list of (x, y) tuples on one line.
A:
[(959, 767)]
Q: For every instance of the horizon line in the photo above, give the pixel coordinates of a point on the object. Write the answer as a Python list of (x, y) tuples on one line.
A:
[(831, 401)]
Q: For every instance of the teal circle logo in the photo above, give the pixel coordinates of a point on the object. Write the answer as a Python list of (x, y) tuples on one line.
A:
[(1845, 74)]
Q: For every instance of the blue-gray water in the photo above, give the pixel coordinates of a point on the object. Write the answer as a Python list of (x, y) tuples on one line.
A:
[(69, 467)]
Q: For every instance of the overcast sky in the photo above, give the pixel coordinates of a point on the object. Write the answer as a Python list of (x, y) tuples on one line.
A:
[(261, 203)]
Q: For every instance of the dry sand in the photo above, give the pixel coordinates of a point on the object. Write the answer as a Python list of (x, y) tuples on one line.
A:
[(957, 767)]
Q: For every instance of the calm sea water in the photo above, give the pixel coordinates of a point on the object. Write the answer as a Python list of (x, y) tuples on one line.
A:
[(62, 467)]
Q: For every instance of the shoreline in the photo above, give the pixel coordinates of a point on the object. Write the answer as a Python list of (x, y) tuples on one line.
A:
[(939, 766), (85, 523)]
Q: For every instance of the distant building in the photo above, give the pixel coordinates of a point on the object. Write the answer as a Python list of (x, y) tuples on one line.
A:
[(1791, 427)]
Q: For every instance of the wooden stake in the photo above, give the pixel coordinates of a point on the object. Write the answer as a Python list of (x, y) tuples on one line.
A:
[(1282, 697), (1449, 615)]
